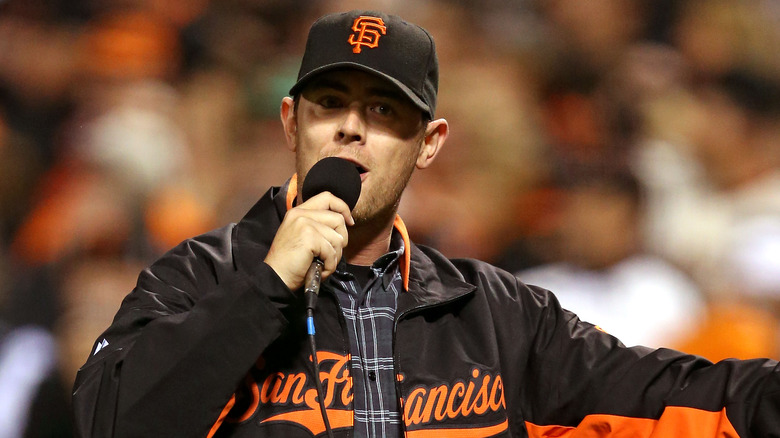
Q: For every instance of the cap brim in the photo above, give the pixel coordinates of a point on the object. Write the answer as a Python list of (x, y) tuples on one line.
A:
[(339, 65)]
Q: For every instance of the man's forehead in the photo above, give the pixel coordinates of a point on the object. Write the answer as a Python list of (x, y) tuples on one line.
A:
[(346, 80)]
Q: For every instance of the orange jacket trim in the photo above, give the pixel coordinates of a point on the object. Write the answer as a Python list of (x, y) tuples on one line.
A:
[(675, 421), (222, 416), (475, 432)]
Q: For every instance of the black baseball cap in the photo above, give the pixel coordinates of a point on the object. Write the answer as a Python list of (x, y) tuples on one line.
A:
[(378, 43)]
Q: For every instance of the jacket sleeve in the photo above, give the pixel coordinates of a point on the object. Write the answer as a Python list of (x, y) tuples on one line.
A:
[(587, 382), (180, 344)]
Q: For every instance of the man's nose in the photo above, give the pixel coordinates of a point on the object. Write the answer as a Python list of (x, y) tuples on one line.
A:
[(353, 127)]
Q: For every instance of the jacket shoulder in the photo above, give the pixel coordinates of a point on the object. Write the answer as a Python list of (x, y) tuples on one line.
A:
[(488, 278), (185, 269)]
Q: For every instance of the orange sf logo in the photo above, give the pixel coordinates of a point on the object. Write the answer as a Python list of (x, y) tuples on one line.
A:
[(367, 32), (293, 390)]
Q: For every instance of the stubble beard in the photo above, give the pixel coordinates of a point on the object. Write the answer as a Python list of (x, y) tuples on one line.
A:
[(379, 205)]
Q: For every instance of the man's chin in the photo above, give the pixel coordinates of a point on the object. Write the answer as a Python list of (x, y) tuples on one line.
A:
[(368, 215)]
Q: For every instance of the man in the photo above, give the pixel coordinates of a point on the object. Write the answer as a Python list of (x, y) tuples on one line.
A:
[(212, 342)]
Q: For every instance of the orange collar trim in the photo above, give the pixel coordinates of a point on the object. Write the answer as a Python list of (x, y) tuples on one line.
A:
[(398, 224), (406, 261), (292, 191)]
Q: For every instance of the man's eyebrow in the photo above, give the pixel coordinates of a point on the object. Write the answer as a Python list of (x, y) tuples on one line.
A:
[(329, 83), (338, 85), (389, 93)]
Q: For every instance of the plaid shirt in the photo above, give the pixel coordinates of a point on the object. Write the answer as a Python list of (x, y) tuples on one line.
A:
[(369, 315)]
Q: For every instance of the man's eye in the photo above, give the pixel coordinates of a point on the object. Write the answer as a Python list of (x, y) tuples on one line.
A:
[(382, 109), (330, 102)]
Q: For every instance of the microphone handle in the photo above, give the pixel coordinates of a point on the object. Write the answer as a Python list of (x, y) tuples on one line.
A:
[(312, 283)]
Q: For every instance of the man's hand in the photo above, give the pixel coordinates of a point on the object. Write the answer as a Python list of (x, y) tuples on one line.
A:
[(316, 228)]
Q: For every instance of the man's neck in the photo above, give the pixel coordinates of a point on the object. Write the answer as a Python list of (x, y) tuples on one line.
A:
[(369, 241)]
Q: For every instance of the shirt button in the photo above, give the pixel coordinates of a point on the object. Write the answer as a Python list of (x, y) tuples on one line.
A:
[(372, 376)]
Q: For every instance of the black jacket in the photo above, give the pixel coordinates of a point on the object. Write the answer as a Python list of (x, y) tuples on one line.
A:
[(212, 343)]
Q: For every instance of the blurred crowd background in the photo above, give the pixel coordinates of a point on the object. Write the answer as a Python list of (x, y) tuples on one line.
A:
[(623, 153)]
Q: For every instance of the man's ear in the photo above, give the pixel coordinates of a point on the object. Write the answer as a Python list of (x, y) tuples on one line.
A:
[(289, 121), (435, 135)]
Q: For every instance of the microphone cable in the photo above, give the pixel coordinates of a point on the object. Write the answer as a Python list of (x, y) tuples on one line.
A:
[(341, 178), (311, 293)]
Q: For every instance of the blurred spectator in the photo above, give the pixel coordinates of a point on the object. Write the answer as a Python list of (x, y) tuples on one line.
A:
[(596, 33), (37, 65), (27, 358), (715, 36), (605, 276), (586, 124), (20, 168), (35, 396), (716, 210), (722, 217)]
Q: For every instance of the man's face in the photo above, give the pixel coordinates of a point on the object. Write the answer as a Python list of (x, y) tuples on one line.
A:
[(366, 120)]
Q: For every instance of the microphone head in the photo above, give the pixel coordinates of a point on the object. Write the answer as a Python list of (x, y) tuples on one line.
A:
[(335, 175)]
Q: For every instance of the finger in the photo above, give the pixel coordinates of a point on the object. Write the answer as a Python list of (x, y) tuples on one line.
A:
[(330, 256), (325, 245), (329, 218), (334, 240), (326, 201)]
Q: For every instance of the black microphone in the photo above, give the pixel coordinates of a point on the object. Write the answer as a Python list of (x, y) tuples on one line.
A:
[(342, 179), (335, 175)]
